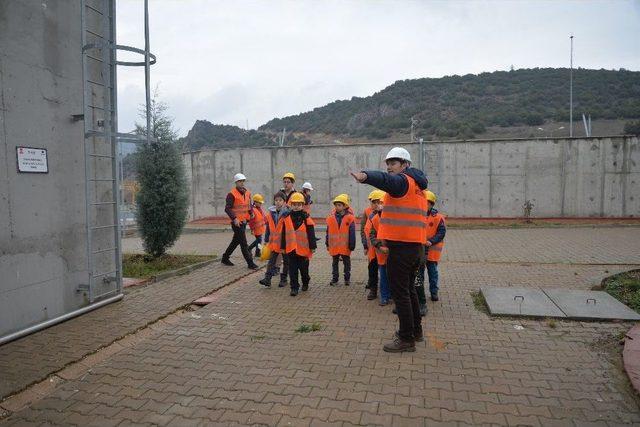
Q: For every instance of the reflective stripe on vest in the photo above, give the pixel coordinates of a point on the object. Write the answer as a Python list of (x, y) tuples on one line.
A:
[(241, 203), (338, 243), (404, 218)]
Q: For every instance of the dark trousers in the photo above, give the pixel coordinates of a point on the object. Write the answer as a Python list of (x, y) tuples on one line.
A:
[(239, 238), (297, 264), (373, 275), (402, 266), (273, 270), (346, 261), (432, 272), (255, 245)]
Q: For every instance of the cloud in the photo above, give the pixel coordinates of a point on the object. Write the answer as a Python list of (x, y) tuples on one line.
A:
[(229, 62)]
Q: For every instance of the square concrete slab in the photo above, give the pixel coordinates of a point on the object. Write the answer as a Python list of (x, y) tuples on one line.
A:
[(590, 305), (520, 302)]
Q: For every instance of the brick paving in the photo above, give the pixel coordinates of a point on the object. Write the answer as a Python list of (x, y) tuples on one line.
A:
[(238, 361)]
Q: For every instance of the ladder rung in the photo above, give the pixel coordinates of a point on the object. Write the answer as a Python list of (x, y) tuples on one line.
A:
[(102, 180), (103, 274), (101, 155), (103, 203), (104, 250), (99, 227)]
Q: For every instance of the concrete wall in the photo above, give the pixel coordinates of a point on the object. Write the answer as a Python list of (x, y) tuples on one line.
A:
[(561, 177), (42, 216)]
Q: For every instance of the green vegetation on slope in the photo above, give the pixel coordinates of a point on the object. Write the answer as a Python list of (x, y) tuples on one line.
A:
[(463, 106)]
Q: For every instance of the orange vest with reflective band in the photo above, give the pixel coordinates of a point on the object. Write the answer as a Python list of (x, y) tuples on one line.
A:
[(297, 240), (241, 204), (371, 252), (375, 224), (258, 224), (275, 234), (339, 235), (404, 218), (434, 251)]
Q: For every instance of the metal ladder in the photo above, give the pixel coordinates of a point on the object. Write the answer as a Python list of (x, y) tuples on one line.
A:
[(102, 198)]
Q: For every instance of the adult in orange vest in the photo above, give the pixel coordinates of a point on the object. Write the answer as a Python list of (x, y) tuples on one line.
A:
[(272, 238), (375, 199), (257, 224), (402, 228), (307, 188), (380, 252), (288, 182), (238, 208), (341, 238), (298, 241), (436, 230)]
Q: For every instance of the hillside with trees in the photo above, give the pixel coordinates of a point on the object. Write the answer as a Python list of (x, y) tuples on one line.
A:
[(465, 106)]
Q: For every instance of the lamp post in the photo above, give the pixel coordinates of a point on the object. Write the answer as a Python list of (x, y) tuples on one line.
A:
[(571, 90)]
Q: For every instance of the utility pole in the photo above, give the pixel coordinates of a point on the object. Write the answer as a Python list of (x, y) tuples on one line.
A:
[(571, 90), (147, 78)]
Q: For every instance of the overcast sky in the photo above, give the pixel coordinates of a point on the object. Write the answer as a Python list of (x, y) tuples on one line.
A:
[(238, 62)]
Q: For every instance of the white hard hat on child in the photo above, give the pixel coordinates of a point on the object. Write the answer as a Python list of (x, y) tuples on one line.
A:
[(239, 177), (398, 153), (307, 186)]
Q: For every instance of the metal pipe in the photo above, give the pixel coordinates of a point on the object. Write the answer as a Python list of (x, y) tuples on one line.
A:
[(59, 319), (147, 82)]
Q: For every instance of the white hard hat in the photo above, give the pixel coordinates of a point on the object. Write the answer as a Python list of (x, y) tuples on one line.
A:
[(239, 177), (307, 186), (398, 153)]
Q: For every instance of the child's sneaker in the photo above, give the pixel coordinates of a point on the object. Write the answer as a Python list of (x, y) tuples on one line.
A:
[(373, 294), (265, 282), (283, 283), (384, 302), (423, 310), (305, 287), (346, 283), (333, 283), (293, 293)]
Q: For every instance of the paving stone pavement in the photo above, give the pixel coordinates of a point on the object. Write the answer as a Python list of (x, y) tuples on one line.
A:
[(33, 358), (238, 360)]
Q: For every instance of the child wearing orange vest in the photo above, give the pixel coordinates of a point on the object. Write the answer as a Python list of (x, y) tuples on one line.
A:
[(257, 224), (272, 239), (375, 197), (380, 251), (436, 230), (298, 241), (341, 238)]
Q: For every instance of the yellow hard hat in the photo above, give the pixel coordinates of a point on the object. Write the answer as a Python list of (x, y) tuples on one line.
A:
[(376, 195), (431, 197), (258, 198), (342, 198), (289, 175), (296, 198)]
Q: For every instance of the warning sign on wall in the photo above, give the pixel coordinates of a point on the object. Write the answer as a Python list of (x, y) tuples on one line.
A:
[(33, 160)]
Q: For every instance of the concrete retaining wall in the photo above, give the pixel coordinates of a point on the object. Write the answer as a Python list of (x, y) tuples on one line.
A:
[(592, 177)]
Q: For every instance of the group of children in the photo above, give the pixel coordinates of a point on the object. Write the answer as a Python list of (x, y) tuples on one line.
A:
[(288, 230)]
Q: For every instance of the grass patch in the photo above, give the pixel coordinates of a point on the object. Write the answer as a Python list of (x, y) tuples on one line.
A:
[(304, 328), (551, 323), (258, 337), (625, 287), (143, 266), (479, 302)]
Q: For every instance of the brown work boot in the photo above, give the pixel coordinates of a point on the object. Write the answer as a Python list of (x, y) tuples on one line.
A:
[(398, 345), (419, 337)]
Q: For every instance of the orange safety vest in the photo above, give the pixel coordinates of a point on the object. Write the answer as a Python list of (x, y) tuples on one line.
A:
[(371, 252), (339, 235), (275, 234), (375, 224), (241, 204), (258, 225), (404, 218), (434, 251), (297, 240)]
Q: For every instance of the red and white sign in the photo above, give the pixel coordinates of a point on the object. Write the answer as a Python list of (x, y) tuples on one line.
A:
[(33, 160)]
